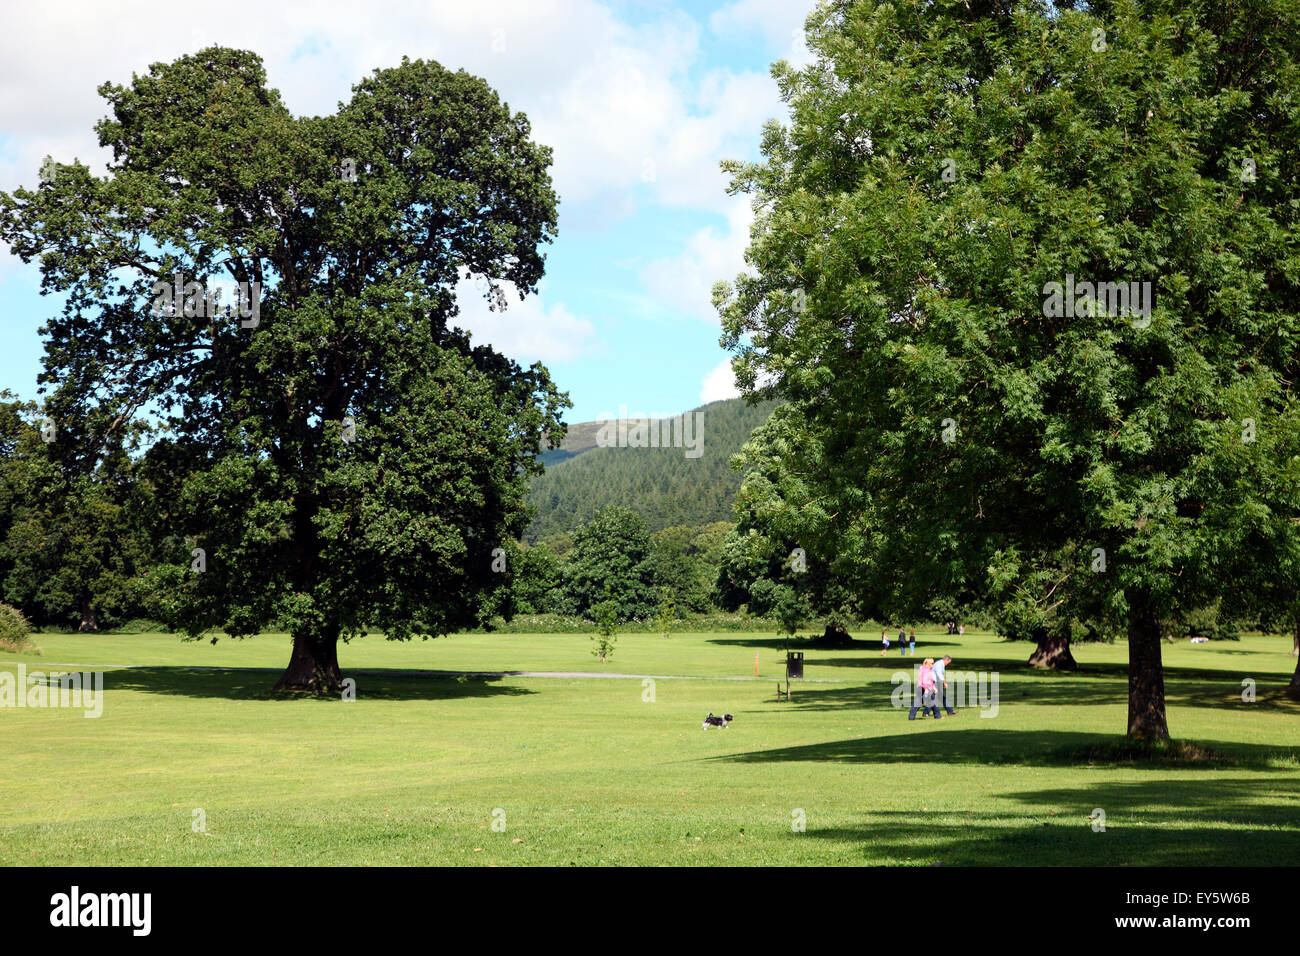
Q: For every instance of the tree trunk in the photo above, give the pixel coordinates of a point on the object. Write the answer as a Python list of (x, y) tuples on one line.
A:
[(1053, 651), (89, 619), (835, 634), (313, 665), (1146, 678), (1295, 641)]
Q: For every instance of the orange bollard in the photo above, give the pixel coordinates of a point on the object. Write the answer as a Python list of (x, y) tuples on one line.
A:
[(756, 663)]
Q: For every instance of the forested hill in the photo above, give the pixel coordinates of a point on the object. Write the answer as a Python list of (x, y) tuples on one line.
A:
[(661, 483)]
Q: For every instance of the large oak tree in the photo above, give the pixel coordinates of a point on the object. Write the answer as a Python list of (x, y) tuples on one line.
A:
[(344, 457)]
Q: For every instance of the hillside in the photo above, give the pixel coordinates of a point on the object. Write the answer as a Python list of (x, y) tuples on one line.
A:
[(580, 437), (661, 483)]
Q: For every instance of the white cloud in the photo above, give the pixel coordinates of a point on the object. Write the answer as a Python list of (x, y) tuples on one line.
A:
[(719, 384), (779, 21), (630, 126), (631, 117), (526, 331), (612, 98), (685, 281)]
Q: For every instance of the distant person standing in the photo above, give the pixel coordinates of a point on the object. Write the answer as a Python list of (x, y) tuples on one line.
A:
[(884, 639), (902, 643), (911, 644), (941, 684), (961, 628)]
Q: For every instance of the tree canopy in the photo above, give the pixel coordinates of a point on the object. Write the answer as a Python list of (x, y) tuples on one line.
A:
[(965, 411), (612, 561), (336, 453)]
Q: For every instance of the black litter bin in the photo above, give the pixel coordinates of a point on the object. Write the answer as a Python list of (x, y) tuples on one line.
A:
[(794, 665)]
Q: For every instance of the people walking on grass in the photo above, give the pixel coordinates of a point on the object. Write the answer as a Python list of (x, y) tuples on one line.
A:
[(911, 644), (902, 643), (940, 671), (925, 700), (884, 639)]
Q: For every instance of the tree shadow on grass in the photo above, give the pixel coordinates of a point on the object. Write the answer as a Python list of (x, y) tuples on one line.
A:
[(1215, 689), (768, 643), (1231, 800), (996, 747), (893, 662), (258, 684), (1116, 669), (1157, 823), (866, 646), (1221, 690), (1004, 665)]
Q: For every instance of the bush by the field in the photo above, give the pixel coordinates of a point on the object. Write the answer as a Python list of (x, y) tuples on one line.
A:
[(15, 631)]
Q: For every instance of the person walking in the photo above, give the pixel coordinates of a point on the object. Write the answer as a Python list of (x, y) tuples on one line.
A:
[(911, 644), (924, 701), (929, 695), (902, 643), (884, 639), (941, 684)]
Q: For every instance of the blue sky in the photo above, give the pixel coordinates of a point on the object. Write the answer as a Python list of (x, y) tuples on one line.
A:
[(639, 99)]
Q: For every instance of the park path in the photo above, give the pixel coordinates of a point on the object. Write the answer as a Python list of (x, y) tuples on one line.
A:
[(585, 674), (385, 672)]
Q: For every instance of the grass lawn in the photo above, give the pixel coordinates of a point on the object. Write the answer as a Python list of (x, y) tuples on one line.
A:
[(588, 772)]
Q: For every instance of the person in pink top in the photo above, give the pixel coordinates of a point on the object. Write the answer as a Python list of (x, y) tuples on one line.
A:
[(925, 700)]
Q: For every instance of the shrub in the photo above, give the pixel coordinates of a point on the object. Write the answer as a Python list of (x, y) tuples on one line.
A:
[(15, 631), (606, 615), (666, 619)]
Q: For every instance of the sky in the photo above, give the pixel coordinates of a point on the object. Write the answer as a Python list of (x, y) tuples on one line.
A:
[(639, 100)]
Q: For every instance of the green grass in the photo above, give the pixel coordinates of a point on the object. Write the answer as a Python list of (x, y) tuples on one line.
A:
[(587, 772)]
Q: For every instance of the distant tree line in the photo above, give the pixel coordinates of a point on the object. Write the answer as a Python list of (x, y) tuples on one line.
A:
[(661, 484), (89, 551)]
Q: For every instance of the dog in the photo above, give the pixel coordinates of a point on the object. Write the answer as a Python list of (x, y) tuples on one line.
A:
[(711, 721)]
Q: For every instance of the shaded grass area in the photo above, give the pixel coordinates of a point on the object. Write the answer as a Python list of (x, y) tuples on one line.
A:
[(618, 772), (998, 747), (257, 684), (1177, 753)]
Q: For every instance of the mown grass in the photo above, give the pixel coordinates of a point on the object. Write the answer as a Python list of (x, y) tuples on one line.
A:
[(589, 772)]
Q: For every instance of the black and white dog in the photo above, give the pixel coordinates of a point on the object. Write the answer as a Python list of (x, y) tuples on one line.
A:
[(711, 721)]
